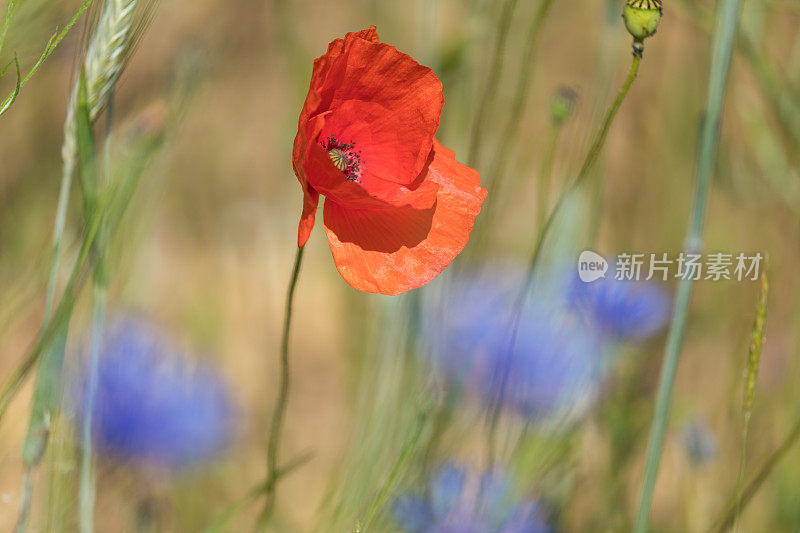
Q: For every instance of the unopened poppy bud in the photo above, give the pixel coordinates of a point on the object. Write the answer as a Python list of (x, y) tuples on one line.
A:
[(562, 104), (642, 18)]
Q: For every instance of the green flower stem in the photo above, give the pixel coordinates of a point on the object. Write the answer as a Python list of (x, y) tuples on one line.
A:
[(546, 174), (283, 395), (591, 159), (723, 43), (588, 164), (492, 82)]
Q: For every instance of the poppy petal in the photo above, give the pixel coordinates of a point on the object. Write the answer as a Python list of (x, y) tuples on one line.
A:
[(324, 64), (310, 202), (389, 106), (391, 251), (362, 80)]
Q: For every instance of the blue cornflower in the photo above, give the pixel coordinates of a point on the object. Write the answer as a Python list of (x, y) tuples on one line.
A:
[(621, 310), (554, 364), (152, 406), (460, 501), (700, 442)]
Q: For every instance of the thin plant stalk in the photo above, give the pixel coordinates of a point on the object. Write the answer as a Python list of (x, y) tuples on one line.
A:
[(87, 481), (511, 129), (777, 90), (753, 362), (546, 174), (743, 498), (106, 57), (489, 91), (402, 460), (723, 43), (52, 43), (11, 8), (591, 158), (221, 523), (86, 484), (588, 163), (48, 366), (283, 395)]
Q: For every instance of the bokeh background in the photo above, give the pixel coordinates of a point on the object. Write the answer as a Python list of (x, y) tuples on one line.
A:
[(206, 252)]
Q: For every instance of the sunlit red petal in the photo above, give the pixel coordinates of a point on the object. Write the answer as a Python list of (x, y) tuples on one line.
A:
[(388, 104), (324, 64), (362, 80), (391, 251)]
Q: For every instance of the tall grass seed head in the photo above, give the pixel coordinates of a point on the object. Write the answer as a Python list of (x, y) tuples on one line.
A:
[(642, 18)]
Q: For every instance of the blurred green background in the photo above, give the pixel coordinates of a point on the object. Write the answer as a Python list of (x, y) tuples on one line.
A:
[(209, 241)]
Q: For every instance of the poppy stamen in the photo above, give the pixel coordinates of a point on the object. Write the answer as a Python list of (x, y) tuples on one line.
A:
[(344, 157)]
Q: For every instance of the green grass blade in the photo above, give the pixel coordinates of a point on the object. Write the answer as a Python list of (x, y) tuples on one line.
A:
[(87, 151), (52, 43), (11, 8), (724, 39), (87, 174), (112, 205), (11, 98)]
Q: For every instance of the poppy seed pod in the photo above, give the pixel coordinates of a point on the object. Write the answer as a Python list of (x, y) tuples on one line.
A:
[(642, 18)]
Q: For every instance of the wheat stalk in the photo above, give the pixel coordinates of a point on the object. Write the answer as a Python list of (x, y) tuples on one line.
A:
[(106, 56)]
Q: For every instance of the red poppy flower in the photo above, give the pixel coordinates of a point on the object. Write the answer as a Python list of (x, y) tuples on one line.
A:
[(398, 206)]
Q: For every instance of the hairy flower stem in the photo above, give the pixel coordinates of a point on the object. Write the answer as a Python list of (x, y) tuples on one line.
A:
[(283, 395), (723, 43)]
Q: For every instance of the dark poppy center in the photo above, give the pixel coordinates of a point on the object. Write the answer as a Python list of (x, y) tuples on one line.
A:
[(344, 156)]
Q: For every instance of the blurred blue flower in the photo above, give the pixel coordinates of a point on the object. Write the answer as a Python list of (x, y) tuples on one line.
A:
[(536, 359), (152, 406), (700, 442), (621, 310), (459, 501)]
